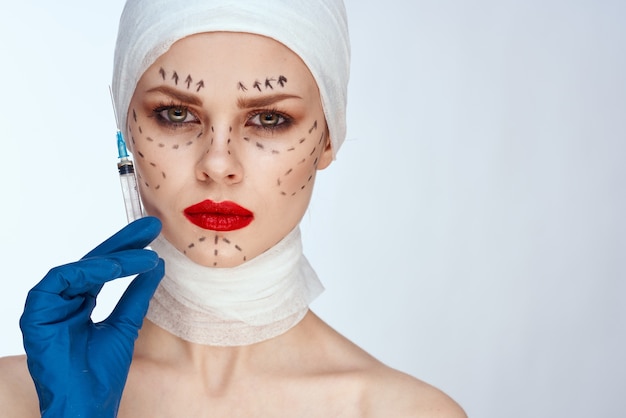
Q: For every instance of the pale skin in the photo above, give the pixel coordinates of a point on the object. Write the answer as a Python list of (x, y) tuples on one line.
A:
[(207, 123)]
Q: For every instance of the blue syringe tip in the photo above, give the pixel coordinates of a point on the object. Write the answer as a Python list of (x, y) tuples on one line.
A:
[(121, 146)]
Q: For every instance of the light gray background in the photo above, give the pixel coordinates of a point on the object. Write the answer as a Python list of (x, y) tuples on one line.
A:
[(471, 231)]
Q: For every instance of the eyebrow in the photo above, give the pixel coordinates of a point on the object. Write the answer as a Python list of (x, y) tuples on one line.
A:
[(251, 102), (178, 95)]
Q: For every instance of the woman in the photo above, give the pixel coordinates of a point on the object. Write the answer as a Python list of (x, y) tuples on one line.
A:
[(229, 111)]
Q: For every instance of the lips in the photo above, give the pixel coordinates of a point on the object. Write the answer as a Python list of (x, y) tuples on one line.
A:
[(219, 216)]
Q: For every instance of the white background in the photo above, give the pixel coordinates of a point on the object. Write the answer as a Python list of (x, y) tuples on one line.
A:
[(471, 231)]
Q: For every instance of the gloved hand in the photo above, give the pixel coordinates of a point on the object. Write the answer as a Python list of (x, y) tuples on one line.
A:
[(79, 367)]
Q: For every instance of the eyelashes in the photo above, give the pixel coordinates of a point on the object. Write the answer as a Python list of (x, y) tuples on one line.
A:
[(174, 115), (177, 115), (269, 120)]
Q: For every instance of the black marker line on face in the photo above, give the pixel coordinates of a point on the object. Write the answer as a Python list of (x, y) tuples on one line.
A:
[(141, 155), (282, 80), (312, 155), (188, 81), (217, 242)]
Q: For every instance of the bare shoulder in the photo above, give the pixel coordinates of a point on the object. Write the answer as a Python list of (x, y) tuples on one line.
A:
[(17, 391), (393, 393), (384, 392)]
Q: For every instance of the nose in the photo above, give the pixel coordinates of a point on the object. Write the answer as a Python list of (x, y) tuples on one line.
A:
[(219, 162)]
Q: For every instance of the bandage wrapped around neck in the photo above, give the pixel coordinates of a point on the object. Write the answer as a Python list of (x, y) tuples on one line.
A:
[(316, 30)]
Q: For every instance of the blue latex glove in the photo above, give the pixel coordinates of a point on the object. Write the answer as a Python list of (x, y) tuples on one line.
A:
[(79, 367)]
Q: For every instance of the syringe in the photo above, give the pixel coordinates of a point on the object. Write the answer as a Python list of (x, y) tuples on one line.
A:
[(126, 169)]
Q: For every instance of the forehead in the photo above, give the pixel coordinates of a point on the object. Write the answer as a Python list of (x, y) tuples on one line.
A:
[(233, 56)]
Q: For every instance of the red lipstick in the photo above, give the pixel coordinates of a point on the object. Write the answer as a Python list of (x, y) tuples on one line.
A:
[(219, 216)]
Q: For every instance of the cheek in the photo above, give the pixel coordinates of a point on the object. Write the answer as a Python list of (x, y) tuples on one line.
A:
[(157, 155), (295, 162)]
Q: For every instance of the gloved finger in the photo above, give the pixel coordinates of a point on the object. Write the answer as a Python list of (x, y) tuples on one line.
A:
[(49, 319), (88, 275), (132, 307), (137, 234)]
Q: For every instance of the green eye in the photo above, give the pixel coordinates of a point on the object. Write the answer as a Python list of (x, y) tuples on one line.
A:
[(269, 119), (174, 115), (177, 114)]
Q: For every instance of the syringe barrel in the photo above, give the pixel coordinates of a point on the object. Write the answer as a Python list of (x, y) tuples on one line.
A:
[(130, 192)]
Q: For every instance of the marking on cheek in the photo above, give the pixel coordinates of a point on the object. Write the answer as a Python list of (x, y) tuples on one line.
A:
[(140, 154), (188, 80), (216, 239), (238, 248), (191, 245), (241, 87), (260, 146), (314, 127), (200, 134), (202, 239), (245, 138), (212, 129), (153, 164), (189, 143), (161, 145), (149, 139), (140, 130), (175, 77), (288, 171), (275, 151), (313, 152), (134, 115), (291, 149), (162, 72), (226, 240), (282, 80), (175, 146), (215, 253), (257, 85), (302, 140), (132, 139)]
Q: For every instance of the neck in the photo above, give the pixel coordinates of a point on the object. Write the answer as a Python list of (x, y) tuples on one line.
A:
[(256, 301)]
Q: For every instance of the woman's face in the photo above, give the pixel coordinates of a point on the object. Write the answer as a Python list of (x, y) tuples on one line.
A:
[(227, 132)]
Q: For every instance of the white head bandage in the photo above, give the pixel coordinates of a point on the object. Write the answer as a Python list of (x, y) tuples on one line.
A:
[(316, 30)]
